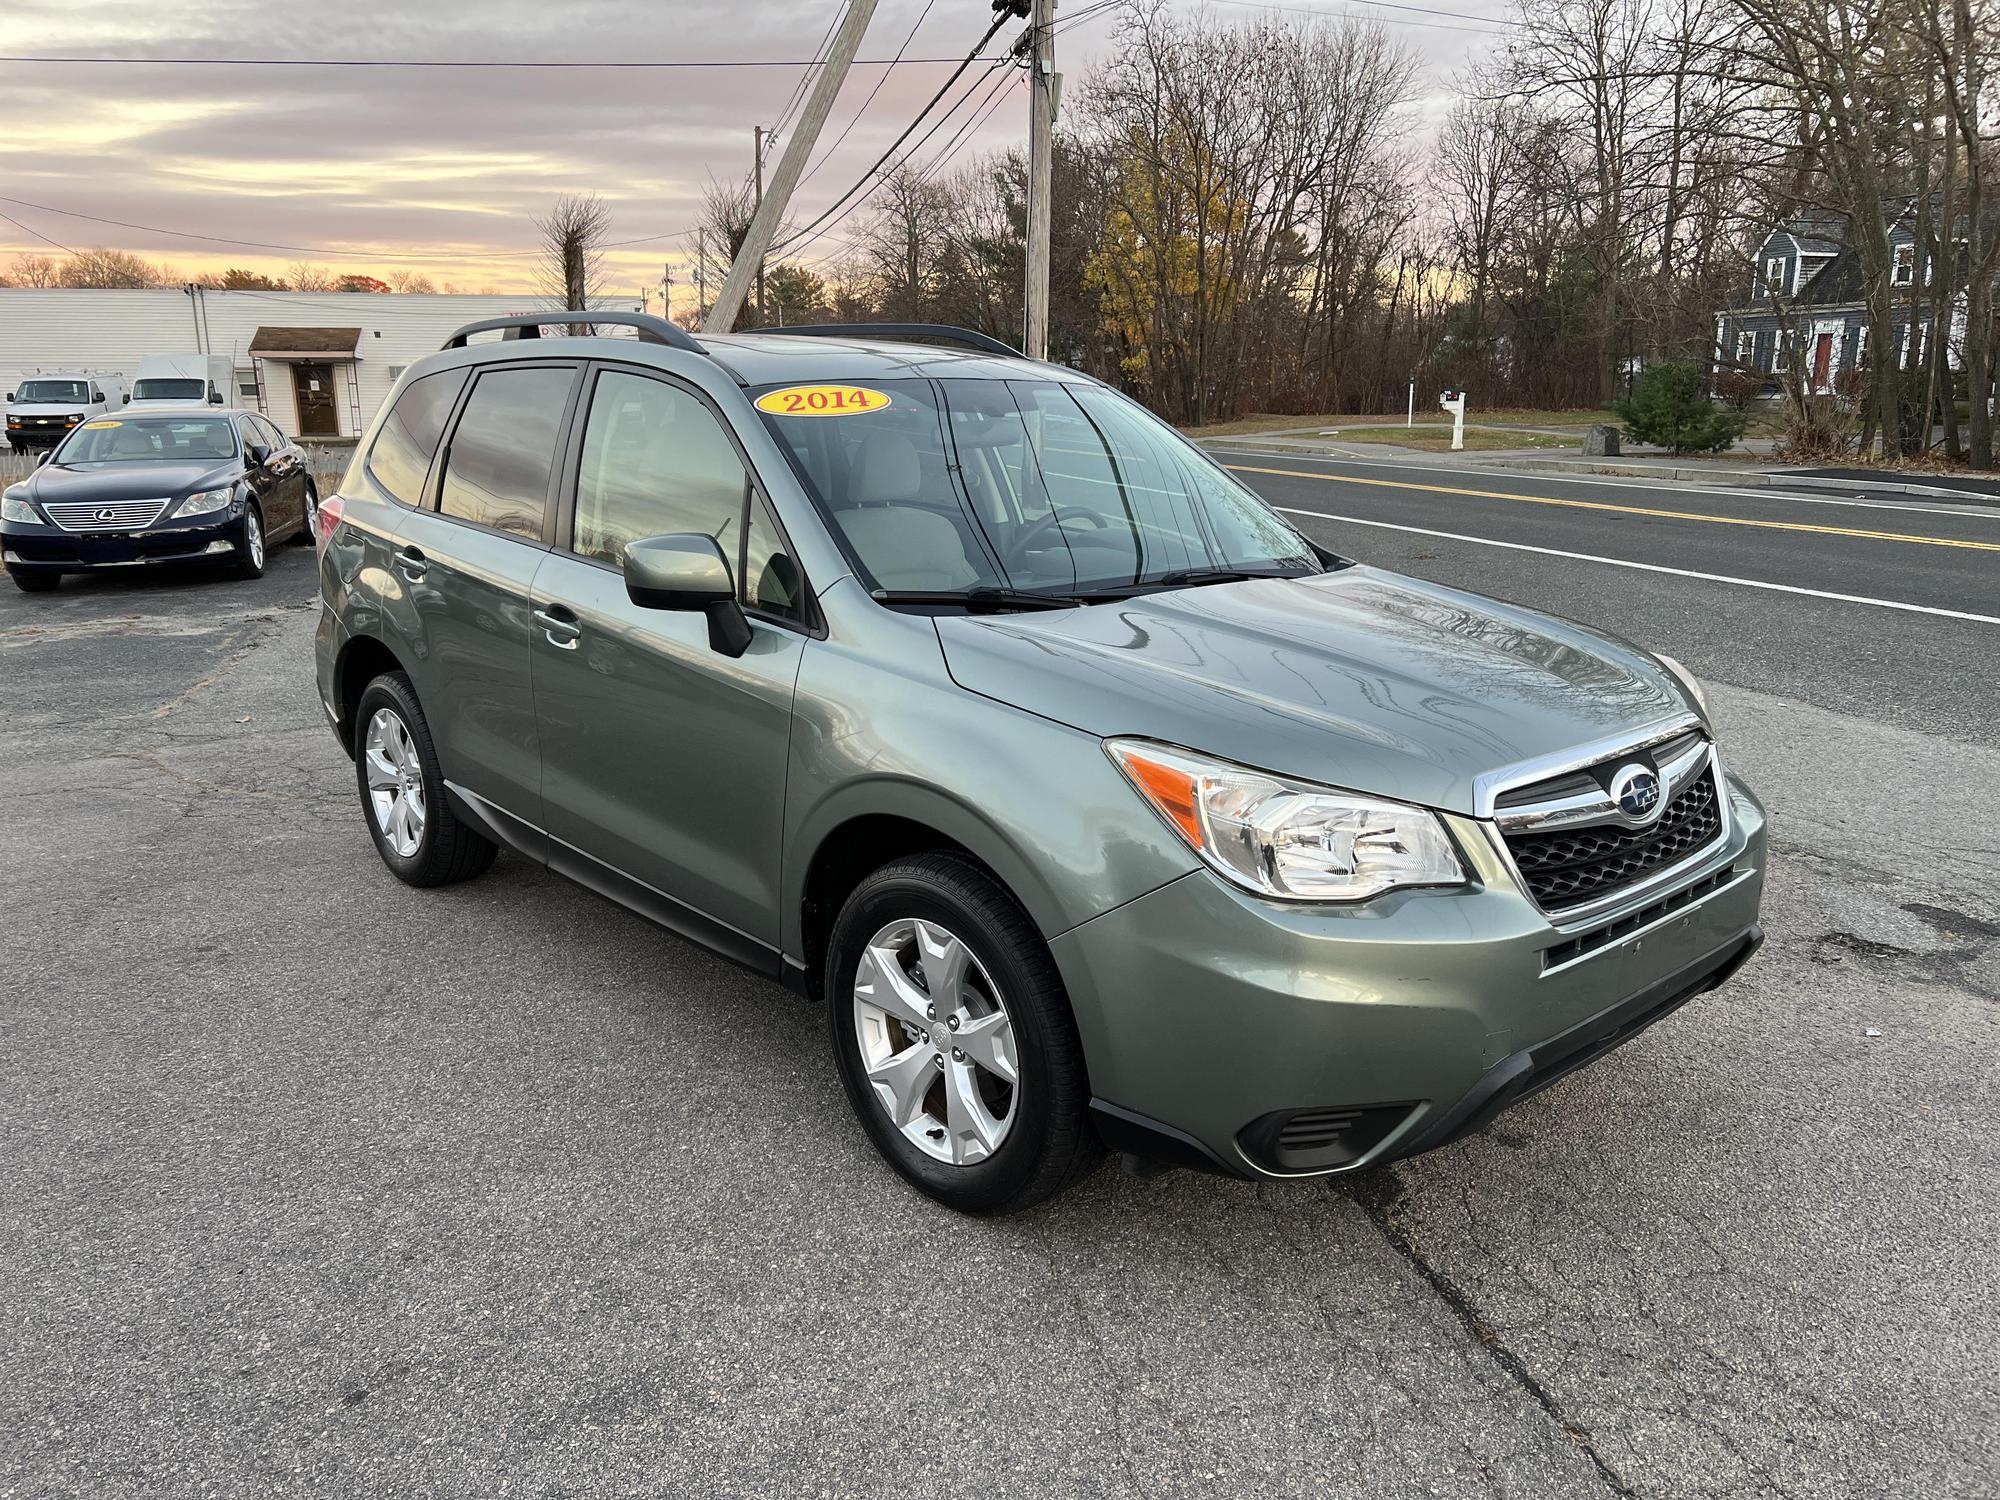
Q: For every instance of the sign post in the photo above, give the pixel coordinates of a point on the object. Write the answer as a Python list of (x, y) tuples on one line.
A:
[(1454, 402)]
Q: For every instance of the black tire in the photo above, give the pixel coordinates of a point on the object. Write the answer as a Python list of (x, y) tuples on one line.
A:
[(1050, 1143), (36, 582), (448, 850), (251, 551), (305, 536)]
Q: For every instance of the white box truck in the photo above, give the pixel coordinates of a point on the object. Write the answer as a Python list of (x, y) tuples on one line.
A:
[(184, 380), (43, 407)]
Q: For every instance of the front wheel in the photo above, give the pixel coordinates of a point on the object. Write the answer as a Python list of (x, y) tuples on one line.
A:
[(309, 525), (250, 549), (954, 1037), (396, 768)]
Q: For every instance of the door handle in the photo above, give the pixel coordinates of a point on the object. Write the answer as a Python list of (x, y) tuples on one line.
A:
[(412, 564), (561, 630)]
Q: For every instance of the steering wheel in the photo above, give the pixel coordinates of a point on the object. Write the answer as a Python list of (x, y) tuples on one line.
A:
[(1036, 534)]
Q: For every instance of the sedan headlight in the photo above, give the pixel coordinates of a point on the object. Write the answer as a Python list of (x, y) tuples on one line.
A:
[(1284, 840), (206, 502), (14, 506), (1686, 679)]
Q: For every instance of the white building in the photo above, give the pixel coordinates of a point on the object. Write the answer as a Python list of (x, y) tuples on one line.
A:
[(316, 363)]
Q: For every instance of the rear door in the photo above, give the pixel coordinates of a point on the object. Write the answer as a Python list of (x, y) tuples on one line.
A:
[(467, 561), (663, 760)]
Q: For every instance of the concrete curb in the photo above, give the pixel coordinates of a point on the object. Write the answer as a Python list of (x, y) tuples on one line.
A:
[(1752, 479)]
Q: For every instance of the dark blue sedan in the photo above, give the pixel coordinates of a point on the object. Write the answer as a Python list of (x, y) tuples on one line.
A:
[(188, 485)]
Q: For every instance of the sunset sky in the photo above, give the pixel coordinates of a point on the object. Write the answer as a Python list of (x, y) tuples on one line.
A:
[(439, 171)]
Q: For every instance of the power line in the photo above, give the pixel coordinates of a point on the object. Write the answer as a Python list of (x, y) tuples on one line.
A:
[(1328, 15), (38, 235), (798, 93), (881, 79), (453, 62), (862, 183)]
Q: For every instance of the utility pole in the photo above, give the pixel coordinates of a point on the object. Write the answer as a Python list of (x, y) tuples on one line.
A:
[(1042, 83), (757, 146), (667, 290), (798, 147), (700, 270)]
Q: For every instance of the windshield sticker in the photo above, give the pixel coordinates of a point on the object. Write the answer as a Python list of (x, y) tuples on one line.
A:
[(823, 401), (104, 422)]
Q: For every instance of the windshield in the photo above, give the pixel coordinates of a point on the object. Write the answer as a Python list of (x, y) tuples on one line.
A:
[(53, 390), (1060, 488), (117, 440), (169, 390)]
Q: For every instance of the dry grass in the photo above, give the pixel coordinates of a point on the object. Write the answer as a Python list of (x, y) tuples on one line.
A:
[(1438, 439)]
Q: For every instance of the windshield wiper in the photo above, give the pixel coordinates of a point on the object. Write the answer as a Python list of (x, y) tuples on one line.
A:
[(979, 600), (1190, 578)]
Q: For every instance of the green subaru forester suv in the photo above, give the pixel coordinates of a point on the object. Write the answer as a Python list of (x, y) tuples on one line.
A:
[(1097, 805)]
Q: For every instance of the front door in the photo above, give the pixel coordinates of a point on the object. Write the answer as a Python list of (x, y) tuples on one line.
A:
[(1822, 369), (313, 386), (663, 760)]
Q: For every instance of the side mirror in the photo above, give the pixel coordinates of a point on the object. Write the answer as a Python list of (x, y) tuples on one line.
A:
[(257, 453), (44, 456), (10, 395), (128, 398), (688, 572)]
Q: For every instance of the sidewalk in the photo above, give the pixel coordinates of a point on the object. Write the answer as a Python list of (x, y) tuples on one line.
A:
[(1751, 471)]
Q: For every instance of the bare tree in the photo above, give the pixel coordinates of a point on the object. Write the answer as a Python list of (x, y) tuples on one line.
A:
[(109, 268), (302, 277), (411, 281), (573, 234), (35, 270)]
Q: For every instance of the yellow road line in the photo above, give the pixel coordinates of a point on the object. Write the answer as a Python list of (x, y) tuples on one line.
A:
[(1628, 510)]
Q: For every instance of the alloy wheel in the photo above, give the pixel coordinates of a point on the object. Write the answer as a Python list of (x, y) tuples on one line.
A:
[(937, 1044), (395, 782), (253, 536)]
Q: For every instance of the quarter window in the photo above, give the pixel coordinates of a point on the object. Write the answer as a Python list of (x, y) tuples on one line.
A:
[(409, 437), (503, 449), (655, 462)]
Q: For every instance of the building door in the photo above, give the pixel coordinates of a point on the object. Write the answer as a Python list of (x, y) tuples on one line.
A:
[(312, 385), (1822, 365)]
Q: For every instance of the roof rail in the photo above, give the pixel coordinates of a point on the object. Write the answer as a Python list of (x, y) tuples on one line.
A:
[(984, 342), (529, 326)]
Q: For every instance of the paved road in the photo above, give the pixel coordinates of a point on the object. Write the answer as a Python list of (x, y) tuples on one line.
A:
[(311, 1184)]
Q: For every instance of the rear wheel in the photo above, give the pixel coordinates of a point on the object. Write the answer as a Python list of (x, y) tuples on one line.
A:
[(250, 550), (418, 836), (309, 527), (954, 1037), (34, 583)]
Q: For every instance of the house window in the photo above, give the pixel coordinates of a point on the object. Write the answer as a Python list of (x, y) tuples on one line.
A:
[(1774, 274), (1783, 363), (396, 373), (1903, 268), (1746, 347), (246, 384)]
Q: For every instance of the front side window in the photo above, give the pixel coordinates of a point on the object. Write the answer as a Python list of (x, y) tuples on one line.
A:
[(503, 450), (656, 462), (410, 434), (112, 440)]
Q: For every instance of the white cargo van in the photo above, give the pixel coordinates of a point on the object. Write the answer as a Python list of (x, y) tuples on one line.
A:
[(185, 380), (46, 404)]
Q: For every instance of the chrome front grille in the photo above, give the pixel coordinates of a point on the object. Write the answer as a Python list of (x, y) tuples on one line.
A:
[(111, 515), (1579, 852)]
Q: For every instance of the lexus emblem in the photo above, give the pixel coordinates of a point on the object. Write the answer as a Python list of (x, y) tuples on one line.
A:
[(1636, 790), (107, 515)]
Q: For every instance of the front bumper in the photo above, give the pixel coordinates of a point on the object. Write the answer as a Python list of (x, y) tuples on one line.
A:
[(50, 549), (1271, 1040)]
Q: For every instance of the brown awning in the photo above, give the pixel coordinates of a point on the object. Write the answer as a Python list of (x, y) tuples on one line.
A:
[(305, 343)]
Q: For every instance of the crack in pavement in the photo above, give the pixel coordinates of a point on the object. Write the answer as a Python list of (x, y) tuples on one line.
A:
[(1377, 1193)]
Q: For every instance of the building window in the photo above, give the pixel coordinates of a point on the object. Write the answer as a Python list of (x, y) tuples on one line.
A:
[(246, 384), (1903, 268), (1861, 348), (1774, 275), (396, 373), (1746, 347)]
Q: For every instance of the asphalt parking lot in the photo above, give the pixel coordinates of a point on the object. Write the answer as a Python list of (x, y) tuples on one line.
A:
[(313, 1184)]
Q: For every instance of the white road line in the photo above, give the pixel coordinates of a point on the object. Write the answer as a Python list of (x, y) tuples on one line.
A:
[(1525, 476), (1622, 562)]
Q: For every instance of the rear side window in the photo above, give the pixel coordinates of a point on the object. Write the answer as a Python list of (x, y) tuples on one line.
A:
[(504, 448), (409, 436)]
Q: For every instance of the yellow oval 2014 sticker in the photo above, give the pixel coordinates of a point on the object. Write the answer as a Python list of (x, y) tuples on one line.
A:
[(822, 401)]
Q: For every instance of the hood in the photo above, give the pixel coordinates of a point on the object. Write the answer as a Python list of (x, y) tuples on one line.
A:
[(138, 481), (1359, 679)]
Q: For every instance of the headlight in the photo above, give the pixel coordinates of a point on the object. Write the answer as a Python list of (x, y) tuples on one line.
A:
[(14, 506), (1686, 679), (1284, 840), (206, 502)]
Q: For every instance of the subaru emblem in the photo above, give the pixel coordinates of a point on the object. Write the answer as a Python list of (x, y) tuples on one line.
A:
[(1636, 790)]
